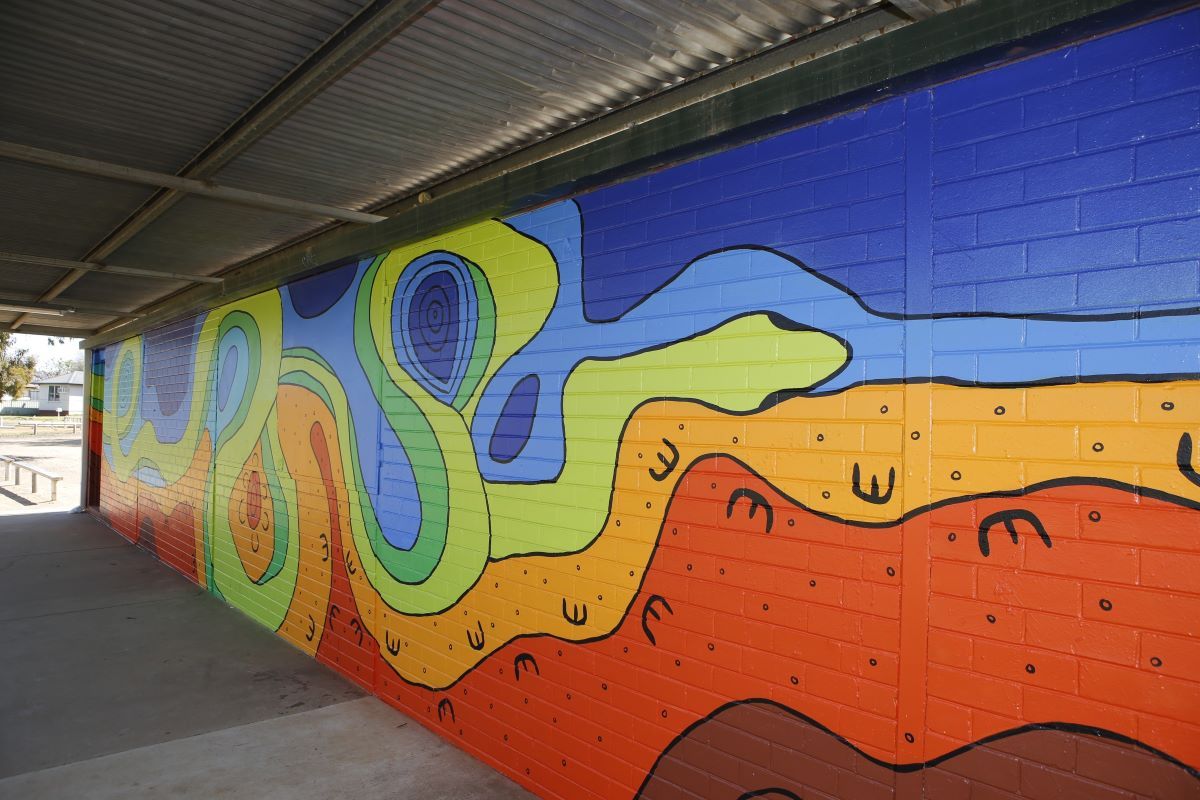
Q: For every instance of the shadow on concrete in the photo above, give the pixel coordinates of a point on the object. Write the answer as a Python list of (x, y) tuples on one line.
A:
[(106, 649), (121, 679), (16, 498)]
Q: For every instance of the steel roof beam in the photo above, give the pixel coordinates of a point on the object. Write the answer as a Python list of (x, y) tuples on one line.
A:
[(105, 169), (43, 326), (112, 269), (363, 34), (63, 309)]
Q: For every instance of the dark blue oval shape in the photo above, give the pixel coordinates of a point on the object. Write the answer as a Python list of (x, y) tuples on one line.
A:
[(515, 424), (316, 294)]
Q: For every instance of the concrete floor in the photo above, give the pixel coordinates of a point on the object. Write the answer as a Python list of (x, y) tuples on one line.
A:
[(58, 454), (118, 678)]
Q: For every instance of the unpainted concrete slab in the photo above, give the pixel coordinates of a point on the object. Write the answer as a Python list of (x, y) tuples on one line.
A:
[(360, 749), (122, 679), (106, 649)]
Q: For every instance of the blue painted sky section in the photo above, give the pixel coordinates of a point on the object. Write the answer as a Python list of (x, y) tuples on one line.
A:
[(1068, 182), (168, 366), (233, 365), (389, 479), (830, 194), (721, 286), (435, 320)]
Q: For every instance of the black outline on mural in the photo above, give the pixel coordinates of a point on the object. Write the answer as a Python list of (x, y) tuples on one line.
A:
[(874, 496), (523, 660), (786, 324), (575, 617), (785, 793), (779, 396), (1183, 459), (1137, 491), (648, 610), (915, 766), (772, 399), (1008, 517), (636, 593), (475, 644), (756, 501), (669, 464)]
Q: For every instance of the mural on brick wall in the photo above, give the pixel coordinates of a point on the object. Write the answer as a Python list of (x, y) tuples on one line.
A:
[(854, 460)]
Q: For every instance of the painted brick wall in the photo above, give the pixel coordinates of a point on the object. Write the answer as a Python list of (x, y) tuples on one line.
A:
[(854, 462)]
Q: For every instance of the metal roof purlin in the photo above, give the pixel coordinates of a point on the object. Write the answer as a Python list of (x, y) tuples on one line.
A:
[(138, 272), (368, 30), (120, 172), (62, 309)]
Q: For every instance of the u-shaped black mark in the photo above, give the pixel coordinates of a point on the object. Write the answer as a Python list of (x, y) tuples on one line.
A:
[(575, 618), (756, 501), (394, 649), (1008, 518), (476, 644), (774, 791), (356, 626), (523, 661), (1183, 457), (444, 705), (873, 496), (650, 611), (669, 464)]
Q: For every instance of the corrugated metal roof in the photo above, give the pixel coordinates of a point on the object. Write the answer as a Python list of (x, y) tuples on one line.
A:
[(74, 378), (155, 85), (74, 325), (140, 84), (474, 79), (53, 213), (197, 235), (147, 84)]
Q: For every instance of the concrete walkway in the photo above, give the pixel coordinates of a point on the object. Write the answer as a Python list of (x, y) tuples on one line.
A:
[(119, 679), (57, 454)]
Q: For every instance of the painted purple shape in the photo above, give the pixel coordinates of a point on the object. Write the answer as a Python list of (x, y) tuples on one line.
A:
[(316, 294), (515, 423), (168, 353), (433, 324)]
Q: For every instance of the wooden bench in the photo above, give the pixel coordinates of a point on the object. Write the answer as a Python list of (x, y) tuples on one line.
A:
[(34, 472)]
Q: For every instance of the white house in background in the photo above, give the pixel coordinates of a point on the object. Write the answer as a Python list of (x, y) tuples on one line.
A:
[(61, 393)]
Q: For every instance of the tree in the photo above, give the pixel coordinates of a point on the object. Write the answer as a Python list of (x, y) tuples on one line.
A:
[(16, 367), (60, 365)]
